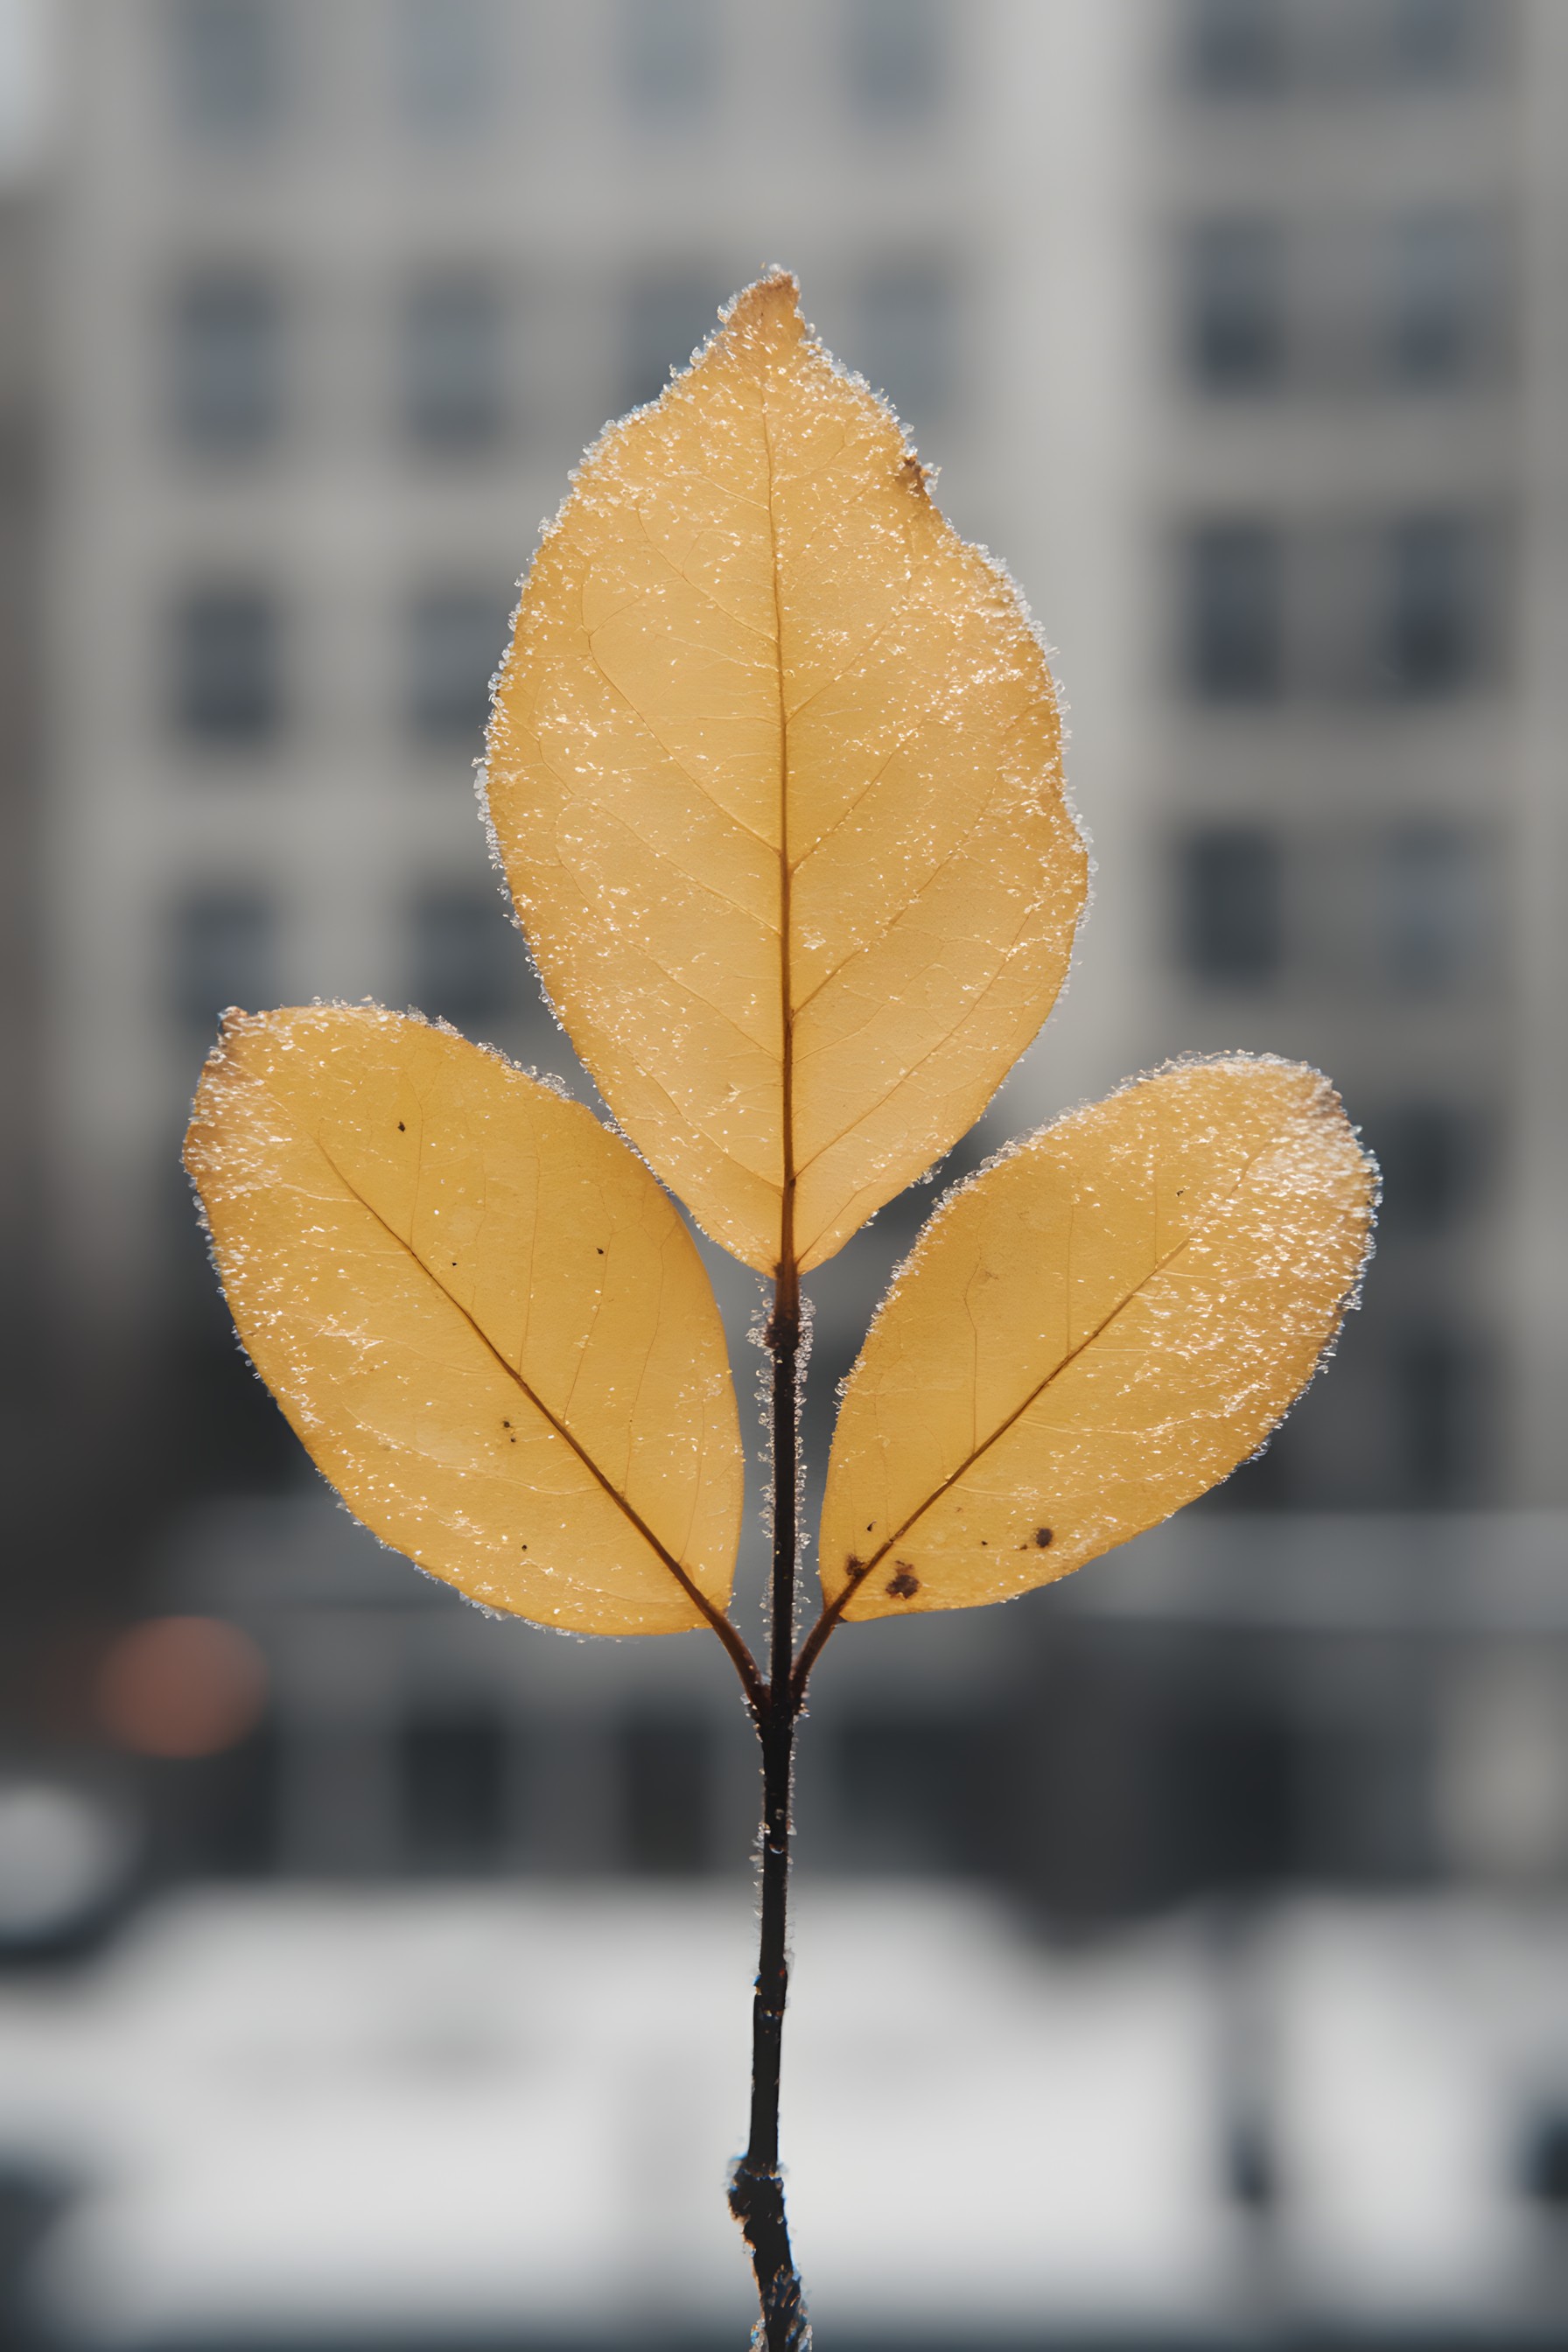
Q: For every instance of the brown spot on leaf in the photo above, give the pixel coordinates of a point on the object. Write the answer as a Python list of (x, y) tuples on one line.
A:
[(905, 1585), (401, 1129), (1042, 1537)]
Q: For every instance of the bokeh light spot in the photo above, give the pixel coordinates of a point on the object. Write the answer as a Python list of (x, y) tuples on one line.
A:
[(182, 1686)]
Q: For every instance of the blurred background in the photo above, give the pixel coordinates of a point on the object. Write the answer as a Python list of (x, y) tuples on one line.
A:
[(1183, 1952)]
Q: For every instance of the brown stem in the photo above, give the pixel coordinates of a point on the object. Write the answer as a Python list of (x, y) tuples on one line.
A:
[(757, 2187), (832, 1615)]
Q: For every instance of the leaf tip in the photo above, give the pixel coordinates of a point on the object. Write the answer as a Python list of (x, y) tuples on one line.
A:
[(771, 301)]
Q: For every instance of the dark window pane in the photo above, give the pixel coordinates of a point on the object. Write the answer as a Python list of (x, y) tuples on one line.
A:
[(1429, 909), (1440, 298), (223, 951), (228, 377), (455, 643), (1431, 1155), (1434, 606), (1439, 1406), (454, 363), (453, 1781), (1434, 40), (895, 58), (1235, 1798), (448, 61), (669, 53), (915, 1794), (906, 335), (668, 313), (1232, 904), (1249, 2168), (666, 1774), (1236, 304), (1543, 2160), (227, 656), (1237, 48), (469, 963), (1234, 613), (228, 64)]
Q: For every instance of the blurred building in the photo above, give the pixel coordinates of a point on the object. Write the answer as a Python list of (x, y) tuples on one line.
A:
[(1302, 341), (27, 1427), (1238, 328), (338, 296), (1254, 393)]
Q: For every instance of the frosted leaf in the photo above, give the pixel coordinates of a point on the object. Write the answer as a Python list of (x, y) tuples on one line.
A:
[(1093, 1331), (774, 772), (482, 1317)]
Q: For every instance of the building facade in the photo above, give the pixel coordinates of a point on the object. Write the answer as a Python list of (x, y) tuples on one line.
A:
[(340, 294), (1301, 338), (1232, 327)]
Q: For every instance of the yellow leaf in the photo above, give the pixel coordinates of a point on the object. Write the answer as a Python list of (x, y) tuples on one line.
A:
[(480, 1313), (1091, 1333), (775, 773)]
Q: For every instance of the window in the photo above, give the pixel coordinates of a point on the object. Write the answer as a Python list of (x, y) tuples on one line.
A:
[(227, 683), (227, 65), (1232, 904), (1236, 1778), (227, 383), (1429, 915), (1236, 304), (449, 62), (222, 951), (1430, 1153), (1543, 2162), (1441, 305), (453, 1774), (1249, 2163), (669, 312), (665, 1778), (1434, 41), (454, 370), (896, 55), (1235, 619), (916, 1795), (1237, 48), (454, 644), (1434, 619), (1439, 1427), (669, 55), (908, 336), (468, 963)]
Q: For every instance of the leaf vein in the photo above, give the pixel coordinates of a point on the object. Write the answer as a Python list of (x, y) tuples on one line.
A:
[(1011, 1420), (688, 1583)]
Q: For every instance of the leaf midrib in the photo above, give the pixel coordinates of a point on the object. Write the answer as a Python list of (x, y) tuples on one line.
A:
[(853, 1583), (692, 1591), (785, 1270)]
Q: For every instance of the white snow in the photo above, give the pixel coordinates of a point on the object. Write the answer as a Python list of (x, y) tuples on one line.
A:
[(371, 2115)]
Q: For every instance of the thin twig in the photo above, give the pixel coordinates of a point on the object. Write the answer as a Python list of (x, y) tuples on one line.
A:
[(756, 2187)]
